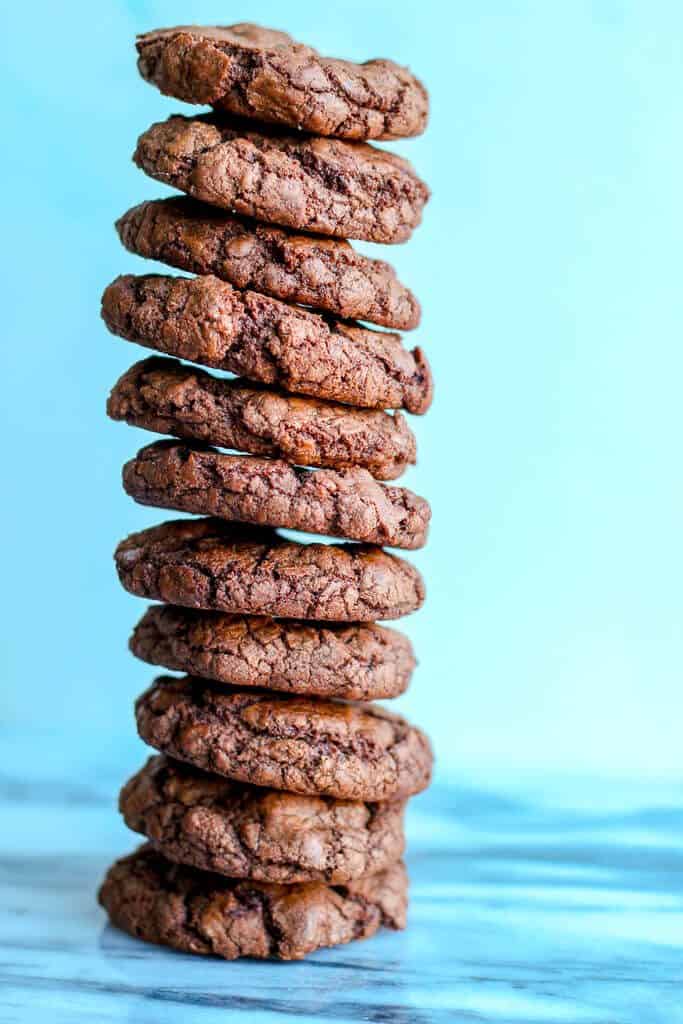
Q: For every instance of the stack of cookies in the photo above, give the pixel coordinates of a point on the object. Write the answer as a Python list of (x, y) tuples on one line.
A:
[(273, 811)]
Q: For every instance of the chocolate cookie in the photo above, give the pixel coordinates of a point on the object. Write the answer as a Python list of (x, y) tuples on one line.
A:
[(197, 912), (361, 661), (208, 321), (322, 272), (260, 73), (340, 503), (230, 567), (325, 186), (302, 745), (167, 397), (243, 831)]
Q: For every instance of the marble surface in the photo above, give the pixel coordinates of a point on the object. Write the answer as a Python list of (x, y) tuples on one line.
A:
[(551, 904)]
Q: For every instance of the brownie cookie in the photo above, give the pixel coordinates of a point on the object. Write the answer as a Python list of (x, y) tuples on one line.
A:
[(302, 745), (243, 831), (231, 567), (260, 73), (196, 912), (325, 186), (208, 321), (169, 398), (361, 661), (322, 272), (340, 503)]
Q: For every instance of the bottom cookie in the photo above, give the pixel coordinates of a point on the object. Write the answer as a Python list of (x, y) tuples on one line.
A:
[(198, 912)]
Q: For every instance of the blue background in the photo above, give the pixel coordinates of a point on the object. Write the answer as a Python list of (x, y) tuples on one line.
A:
[(549, 267)]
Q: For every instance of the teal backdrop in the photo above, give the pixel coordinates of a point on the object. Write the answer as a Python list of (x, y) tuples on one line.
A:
[(549, 267)]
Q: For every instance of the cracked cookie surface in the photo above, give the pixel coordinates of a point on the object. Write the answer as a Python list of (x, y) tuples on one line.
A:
[(168, 397), (243, 831), (197, 912), (264, 74), (324, 273), (232, 567), (208, 321), (339, 503), (323, 186), (361, 661), (350, 751)]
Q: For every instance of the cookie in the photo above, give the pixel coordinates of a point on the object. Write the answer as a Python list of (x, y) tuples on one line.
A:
[(169, 398), (302, 745), (197, 912), (361, 661), (244, 831), (323, 186), (231, 567), (325, 273), (270, 492), (260, 73), (208, 321)]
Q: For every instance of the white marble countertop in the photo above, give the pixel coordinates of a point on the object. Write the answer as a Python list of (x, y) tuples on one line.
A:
[(524, 909)]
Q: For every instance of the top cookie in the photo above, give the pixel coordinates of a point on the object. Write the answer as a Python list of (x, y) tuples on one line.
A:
[(264, 74)]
